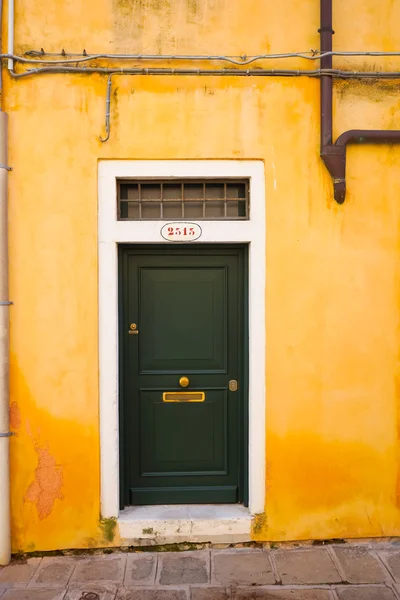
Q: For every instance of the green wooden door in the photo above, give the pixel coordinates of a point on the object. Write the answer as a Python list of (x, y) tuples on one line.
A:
[(182, 315)]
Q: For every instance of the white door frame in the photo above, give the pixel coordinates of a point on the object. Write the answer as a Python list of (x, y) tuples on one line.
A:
[(112, 232)]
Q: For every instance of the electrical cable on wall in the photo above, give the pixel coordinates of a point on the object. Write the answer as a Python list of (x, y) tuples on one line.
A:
[(237, 60), (62, 66)]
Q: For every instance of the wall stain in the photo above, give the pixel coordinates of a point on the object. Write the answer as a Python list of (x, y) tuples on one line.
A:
[(195, 12), (134, 20), (259, 526), (47, 486), (374, 89), (108, 527)]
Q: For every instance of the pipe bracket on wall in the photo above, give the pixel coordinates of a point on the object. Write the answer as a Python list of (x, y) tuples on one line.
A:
[(7, 168), (6, 435), (5, 303)]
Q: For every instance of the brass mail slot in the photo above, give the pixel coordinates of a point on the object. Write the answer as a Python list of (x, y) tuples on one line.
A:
[(183, 397)]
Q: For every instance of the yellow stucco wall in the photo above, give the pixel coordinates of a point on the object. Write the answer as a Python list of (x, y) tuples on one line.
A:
[(333, 273)]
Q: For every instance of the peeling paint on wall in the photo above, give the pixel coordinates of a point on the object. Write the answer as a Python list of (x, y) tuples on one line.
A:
[(15, 416), (48, 483)]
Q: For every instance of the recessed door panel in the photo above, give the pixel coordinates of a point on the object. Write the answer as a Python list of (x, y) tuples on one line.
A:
[(199, 447), (182, 319)]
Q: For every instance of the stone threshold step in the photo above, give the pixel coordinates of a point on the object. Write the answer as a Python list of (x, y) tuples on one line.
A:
[(193, 523)]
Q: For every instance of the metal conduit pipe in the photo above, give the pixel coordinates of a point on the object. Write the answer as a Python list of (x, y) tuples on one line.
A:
[(5, 529), (10, 34), (334, 155), (5, 535), (236, 60), (335, 73)]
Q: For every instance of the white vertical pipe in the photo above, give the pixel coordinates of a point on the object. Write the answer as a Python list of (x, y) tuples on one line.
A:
[(5, 533), (10, 47)]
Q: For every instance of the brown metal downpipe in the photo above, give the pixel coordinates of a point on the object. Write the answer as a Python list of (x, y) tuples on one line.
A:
[(334, 159), (334, 155), (326, 32)]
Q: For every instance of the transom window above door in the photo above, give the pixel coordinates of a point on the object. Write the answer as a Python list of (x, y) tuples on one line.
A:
[(156, 199)]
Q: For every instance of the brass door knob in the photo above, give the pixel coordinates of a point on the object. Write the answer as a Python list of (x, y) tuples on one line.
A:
[(184, 382)]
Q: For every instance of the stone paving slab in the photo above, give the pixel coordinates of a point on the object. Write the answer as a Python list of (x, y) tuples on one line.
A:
[(360, 565), (141, 569), (208, 592), (184, 567), (103, 591), (391, 558), (19, 574), (53, 572), (242, 567), (306, 566), (100, 568), (365, 593)]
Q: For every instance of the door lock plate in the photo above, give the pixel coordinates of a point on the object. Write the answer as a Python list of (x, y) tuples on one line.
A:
[(233, 385)]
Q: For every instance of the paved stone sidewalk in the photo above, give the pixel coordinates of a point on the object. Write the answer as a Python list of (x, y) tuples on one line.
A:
[(333, 572)]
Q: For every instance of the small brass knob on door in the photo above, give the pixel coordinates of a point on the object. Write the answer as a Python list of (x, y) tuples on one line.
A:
[(133, 329), (184, 382)]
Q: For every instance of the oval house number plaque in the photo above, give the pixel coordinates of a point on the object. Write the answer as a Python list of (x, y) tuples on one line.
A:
[(181, 232)]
